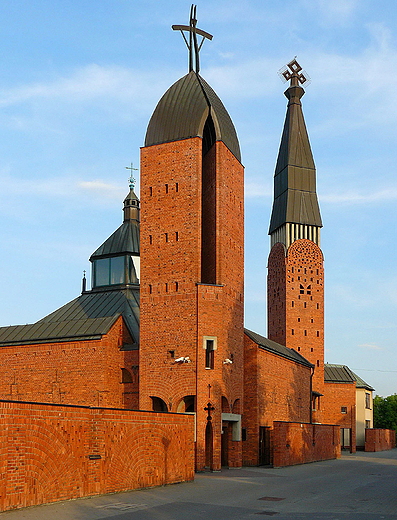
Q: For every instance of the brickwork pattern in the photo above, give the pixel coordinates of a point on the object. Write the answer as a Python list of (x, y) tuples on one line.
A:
[(55, 452), (378, 439), (275, 389), (296, 302), (74, 372), (299, 443), (339, 405), (192, 209)]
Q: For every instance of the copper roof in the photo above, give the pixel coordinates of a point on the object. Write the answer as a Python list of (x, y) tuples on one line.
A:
[(295, 198), (276, 348), (183, 110)]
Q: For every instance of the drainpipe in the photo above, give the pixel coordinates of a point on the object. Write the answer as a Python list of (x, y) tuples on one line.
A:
[(311, 394)]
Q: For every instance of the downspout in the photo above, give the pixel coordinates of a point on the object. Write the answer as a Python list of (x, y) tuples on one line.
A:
[(311, 394)]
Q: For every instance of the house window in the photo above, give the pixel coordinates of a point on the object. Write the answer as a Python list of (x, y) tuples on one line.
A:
[(368, 424), (367, 400), (209, 354), (343, 409), (209, 344)]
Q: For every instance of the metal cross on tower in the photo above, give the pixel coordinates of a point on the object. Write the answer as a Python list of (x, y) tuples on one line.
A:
[(295, 73), (132, 180), (193, 46)]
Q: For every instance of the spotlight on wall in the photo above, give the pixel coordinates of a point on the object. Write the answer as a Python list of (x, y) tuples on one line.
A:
[(227, 361), (183, 359)]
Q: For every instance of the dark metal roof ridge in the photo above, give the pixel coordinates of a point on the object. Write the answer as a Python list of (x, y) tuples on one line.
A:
[(277, 348)]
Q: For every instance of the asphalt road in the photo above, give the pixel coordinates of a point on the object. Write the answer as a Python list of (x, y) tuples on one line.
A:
[(361, 486)]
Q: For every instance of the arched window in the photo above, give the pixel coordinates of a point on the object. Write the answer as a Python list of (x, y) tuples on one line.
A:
[(158, 405), (187, 404)]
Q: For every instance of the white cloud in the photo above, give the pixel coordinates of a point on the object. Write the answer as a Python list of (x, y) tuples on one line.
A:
[(337, 12), (387, 195), (370, 346), (87, 83), (255, 189), (104, 189)]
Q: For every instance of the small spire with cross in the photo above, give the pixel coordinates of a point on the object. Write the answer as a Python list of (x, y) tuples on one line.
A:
[(193, 46), (131, 180), (295, 74)]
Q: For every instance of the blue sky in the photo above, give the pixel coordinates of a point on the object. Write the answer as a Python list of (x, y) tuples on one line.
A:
[(78, 84)]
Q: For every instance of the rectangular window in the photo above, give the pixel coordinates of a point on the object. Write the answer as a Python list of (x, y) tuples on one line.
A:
[(117, 270), (209, 354), (210, 345), (368, 424), (343, 409), (367, 401)]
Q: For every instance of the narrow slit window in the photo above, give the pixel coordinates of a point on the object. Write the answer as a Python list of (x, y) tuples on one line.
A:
[(209, 354)]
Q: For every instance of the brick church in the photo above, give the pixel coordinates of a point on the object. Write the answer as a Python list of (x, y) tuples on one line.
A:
[(162, 327)]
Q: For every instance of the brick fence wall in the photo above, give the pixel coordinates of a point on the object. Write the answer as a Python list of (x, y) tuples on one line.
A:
[(58, 452), (377, 439), (298, 443)]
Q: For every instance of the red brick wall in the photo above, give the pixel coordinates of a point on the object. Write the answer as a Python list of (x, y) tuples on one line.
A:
[(179, 305), (275, 389), (336, 396), (298, 443), (74, 372), (377, 439), (45, 449), (296, 302)]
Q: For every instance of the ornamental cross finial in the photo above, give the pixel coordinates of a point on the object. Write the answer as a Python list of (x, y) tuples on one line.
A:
[(131, 180), (295, 73), (193, 46), (209, 408)]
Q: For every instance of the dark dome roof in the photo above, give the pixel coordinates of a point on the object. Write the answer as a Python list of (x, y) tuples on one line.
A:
[(183, 110)]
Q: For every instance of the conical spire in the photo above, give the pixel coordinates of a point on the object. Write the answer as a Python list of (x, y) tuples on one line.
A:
[(296, 212)]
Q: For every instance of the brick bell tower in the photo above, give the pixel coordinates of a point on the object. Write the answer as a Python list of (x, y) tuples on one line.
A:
[(192, 271), (295, 266)]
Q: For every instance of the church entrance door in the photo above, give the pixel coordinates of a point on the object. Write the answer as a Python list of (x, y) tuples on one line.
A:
[(264, 446)]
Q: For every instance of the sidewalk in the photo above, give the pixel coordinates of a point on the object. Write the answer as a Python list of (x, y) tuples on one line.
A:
[(360, 486)]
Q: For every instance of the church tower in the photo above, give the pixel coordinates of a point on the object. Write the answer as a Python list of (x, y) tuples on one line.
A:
[(295, 266), (191, 349)]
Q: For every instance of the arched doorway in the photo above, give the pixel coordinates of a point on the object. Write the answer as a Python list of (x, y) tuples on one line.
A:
[(209, 445)]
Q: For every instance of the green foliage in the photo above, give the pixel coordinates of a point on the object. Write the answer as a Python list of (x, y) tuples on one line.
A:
[(385, 412)]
